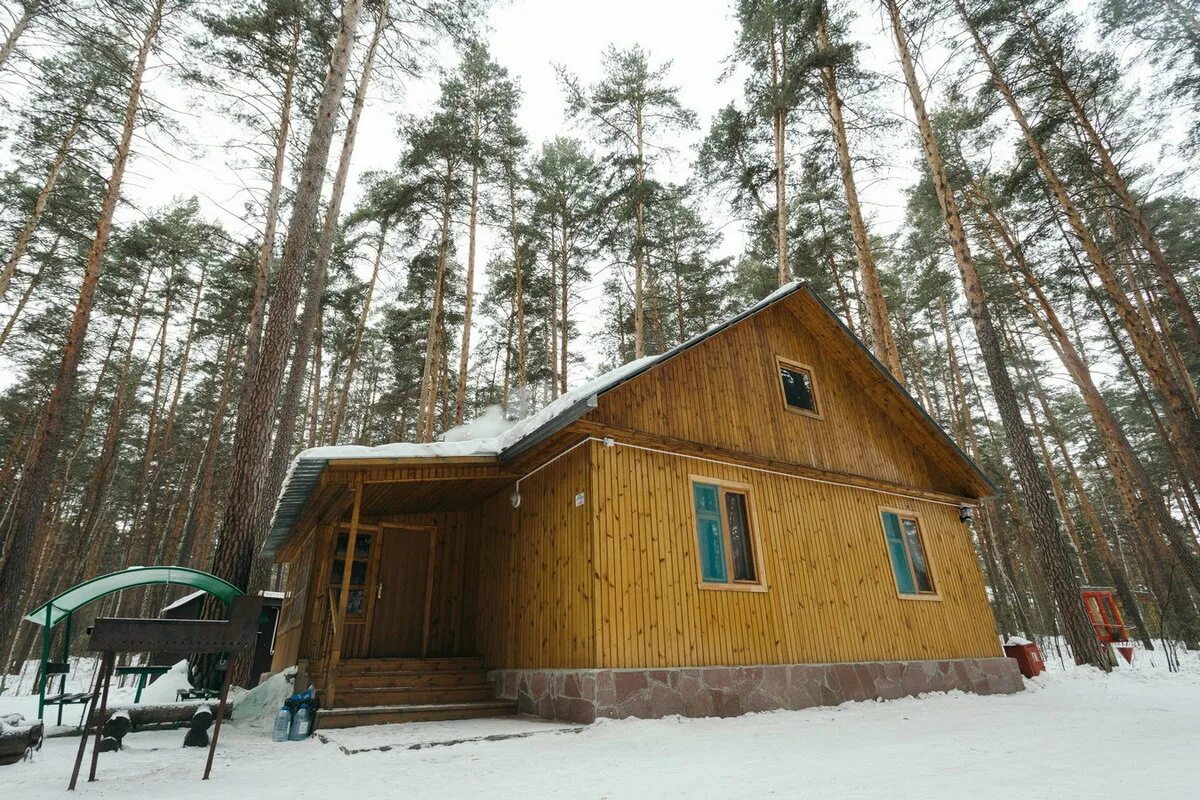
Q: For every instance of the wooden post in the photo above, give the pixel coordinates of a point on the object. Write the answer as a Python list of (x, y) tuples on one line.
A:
[(106, 668), (339, 621), (212, 745), (88, 707)]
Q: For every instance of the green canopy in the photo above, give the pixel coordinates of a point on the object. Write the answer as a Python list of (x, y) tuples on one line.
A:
[(53, 611)]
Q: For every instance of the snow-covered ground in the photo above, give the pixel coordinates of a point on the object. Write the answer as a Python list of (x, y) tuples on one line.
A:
[(1135, 733)]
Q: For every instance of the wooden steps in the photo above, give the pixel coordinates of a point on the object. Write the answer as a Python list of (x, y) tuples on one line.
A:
[(411, 695), (382, 690), (379, 715), (359, 666)]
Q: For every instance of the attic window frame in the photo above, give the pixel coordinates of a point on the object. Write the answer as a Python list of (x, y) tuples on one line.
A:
[(781, 364)]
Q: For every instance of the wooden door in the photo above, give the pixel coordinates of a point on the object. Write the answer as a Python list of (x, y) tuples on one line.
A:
[(401, 612)]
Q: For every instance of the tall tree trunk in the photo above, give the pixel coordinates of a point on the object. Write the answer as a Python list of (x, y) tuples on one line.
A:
[(92, 506), (552, 324), (639, 244), (164, 439), (506, 386), (1052, 549), (360, 327), (519, 277), (39, 204), (293, 391), (28, 12), (314, 399), (44, 453), (147, 526), (196, 534), (234, 556), (266, 248), (1007, 609), (882, 340), (433, 341), (140, 540), (32, 286), (564, 288), (779, 132), (464, 349)]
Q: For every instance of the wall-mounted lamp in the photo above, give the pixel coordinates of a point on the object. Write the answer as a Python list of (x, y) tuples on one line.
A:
[(515, 499), (965, 514)]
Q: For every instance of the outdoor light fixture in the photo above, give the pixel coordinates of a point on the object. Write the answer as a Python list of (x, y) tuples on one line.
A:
[(965, 514), (515, 499)]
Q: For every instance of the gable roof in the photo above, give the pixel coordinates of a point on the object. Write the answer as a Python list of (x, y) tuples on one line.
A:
[(510, 439)]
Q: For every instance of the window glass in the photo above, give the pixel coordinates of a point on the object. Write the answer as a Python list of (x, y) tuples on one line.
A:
[(916, 553), (896, 549), (356, 600), (708, 530), (739, 536), (797, 388)]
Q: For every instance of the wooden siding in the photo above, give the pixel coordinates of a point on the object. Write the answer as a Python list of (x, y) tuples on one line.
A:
[(533, 572), (725, 392), (830, 597)]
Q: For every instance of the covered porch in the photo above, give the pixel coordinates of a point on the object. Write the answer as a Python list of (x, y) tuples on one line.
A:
[(384, 578)]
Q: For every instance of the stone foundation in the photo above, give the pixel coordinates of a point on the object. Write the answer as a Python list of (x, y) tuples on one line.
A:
[(583, 695)]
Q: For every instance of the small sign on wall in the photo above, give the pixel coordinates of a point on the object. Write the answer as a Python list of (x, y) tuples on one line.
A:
[(579, 499)]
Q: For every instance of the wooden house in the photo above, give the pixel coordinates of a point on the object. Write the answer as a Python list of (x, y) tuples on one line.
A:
[(759, 518)]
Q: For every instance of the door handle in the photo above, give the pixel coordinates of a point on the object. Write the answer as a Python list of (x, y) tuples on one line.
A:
[(379, 591)]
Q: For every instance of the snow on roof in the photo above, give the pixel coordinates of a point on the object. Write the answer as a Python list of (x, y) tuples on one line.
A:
[(488, 435)]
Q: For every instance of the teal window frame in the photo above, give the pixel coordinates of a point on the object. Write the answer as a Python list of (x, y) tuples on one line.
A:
[(911, 572), (714, 542)]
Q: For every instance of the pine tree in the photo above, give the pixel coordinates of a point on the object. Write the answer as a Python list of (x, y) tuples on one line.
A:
[(631, 107), (567, 190)]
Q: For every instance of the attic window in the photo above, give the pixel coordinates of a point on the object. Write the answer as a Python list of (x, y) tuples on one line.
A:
[(799, 391)]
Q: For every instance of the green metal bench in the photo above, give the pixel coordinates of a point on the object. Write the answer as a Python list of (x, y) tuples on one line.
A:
[(60, 670)]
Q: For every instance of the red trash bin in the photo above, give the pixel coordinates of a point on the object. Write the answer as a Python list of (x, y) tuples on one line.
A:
[(1027, 656)]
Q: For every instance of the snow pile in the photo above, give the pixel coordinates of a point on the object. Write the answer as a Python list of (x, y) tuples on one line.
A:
[(257, 708), (165, 686), (488, 425), (1017, 641)]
